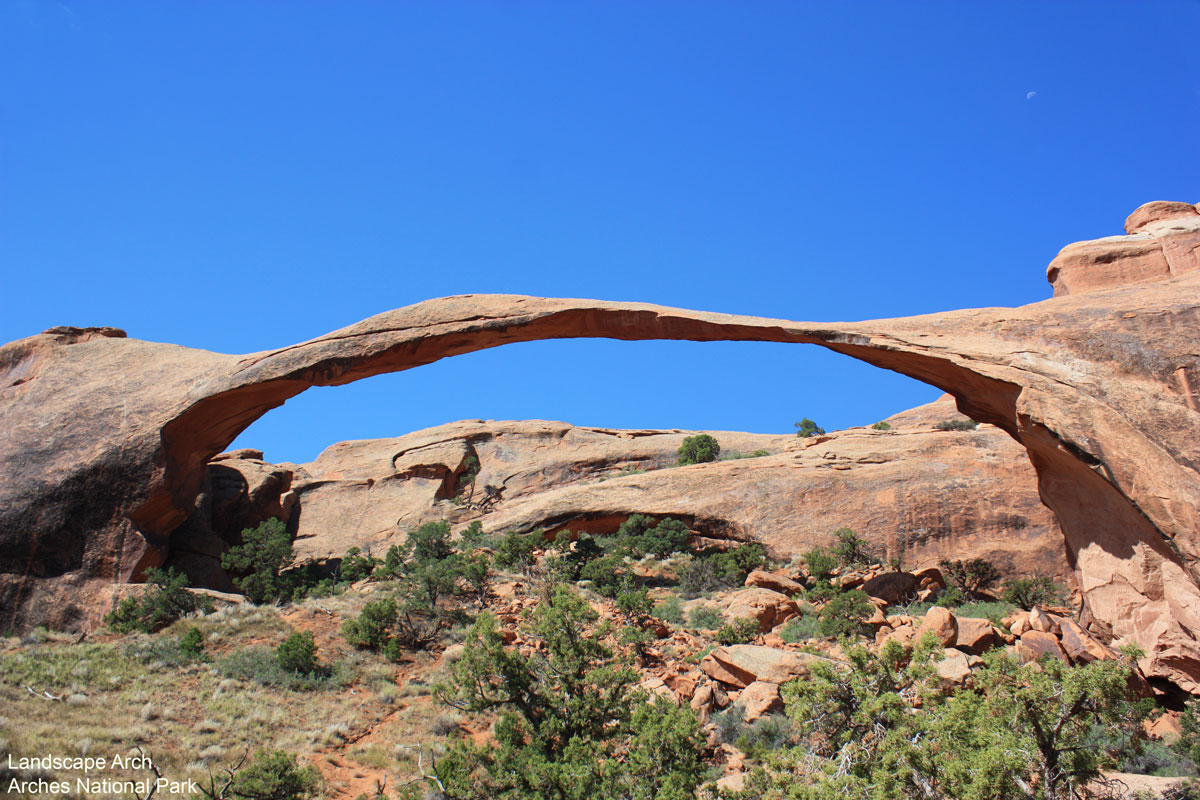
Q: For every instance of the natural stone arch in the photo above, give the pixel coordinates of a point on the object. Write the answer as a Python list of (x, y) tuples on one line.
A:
[(1089, 384)]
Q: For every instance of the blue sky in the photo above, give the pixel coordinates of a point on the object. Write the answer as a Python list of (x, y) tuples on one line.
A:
[(238, 176)]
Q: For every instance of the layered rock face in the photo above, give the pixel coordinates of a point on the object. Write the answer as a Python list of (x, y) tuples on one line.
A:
[(105, 440), (1162, 240), (911, 491)]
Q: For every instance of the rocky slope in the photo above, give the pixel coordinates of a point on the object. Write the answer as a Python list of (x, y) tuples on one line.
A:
[(106, 439)]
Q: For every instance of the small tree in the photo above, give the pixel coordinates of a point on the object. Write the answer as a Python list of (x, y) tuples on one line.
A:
[(849, 549), (972, 577), (806, 428), (821, 564), (274, 775), (698, 449), (845, 614), (298, 653), (265, 552), (573, 725), (167, 601), (1038, 590)]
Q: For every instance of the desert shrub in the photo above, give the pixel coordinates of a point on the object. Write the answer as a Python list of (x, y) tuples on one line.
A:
[(641, 535), (371, 629), (260, 664), (698, 449), (573, 723), (882, 426), (950, 597), (1038, 590), (845, 613), (355, 566), (257, 563), (800, 628), (706, 618), (466, 478), (734, 564), (157, 607), (607, 574), (274, 775), (699, 576), (973, 576), (820, 563), (515, 550), (730, 724), (885, 721), (670, 610), (765, 734), (191, 644), (956, 425), (848, 549), (806, 428), (576, 554), (739, 631), (298, 653), (473, 536)]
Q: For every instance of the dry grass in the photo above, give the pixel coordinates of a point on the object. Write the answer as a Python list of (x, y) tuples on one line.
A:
[(137, 691)]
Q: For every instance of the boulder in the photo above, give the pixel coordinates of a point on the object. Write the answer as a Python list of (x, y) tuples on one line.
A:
[(1034, 644), (1081, 647), (930, 576), (1156, 211), (975, 636), (955, 668), (769, 607), (775, 582), (1041, 620), (940, 622), (759, 699), (740, 665)]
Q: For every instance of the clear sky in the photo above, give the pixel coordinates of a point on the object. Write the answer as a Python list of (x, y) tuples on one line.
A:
[(239, 176)]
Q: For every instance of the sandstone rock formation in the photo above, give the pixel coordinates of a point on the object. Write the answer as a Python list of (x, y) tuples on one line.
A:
[(105, 439)]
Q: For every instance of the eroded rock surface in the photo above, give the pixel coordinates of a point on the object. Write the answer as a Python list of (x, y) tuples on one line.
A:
[(105, 440)]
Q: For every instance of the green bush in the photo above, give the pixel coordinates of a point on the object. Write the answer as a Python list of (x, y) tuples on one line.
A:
[(821, 564), (797, 629), (1038, 590), (706, 618), (882, 426), (355, 566), (372, 628), (191, 644), (806, 428), (515, 550), (159, 606), (275, 775), (298, 653), (956, 425), (642, 535), (698, 449), (887, 722), (257, 563), (260, 663), (845, 614), (607, 574), (950, 597), (699, 576), (739, 631), (670, 610), (572, 721), (848, 549)]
